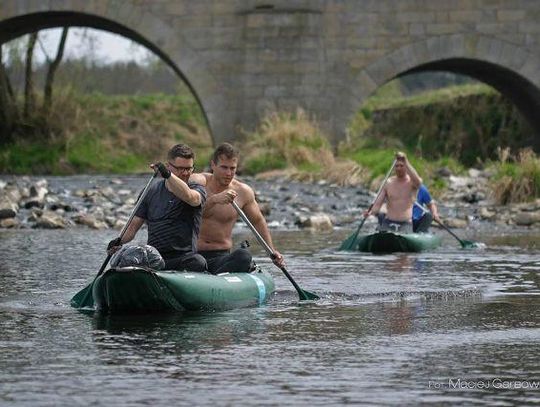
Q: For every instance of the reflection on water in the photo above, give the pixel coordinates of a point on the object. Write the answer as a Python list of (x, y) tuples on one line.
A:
[(391, 329)]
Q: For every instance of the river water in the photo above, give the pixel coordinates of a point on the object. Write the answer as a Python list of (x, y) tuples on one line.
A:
[(451, 326)]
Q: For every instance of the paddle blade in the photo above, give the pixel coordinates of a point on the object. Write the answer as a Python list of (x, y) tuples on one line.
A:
[(83, 299), (307, 296), (302, 294), (467, 244), (350, 243)]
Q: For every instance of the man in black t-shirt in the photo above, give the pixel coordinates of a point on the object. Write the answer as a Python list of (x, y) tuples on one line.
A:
[(172, 209)]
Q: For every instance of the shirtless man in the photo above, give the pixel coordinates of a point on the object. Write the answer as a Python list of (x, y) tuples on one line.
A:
[(399, 193), (215, 238)]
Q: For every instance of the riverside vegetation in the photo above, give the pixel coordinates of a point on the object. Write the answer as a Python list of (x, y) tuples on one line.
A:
[(440, 130)]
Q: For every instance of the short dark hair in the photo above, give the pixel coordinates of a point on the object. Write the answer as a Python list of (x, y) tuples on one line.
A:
[(226, 149), (180, 150)]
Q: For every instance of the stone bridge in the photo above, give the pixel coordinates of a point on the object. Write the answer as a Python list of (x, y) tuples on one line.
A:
[(244, 58)]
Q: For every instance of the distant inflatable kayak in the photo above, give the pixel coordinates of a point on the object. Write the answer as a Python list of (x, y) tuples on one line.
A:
[(389, 242), (140, 290)]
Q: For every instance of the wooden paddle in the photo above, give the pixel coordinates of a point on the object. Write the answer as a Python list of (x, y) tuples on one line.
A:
[(351, 242), (303, 294), (84, 299), (465, 244)]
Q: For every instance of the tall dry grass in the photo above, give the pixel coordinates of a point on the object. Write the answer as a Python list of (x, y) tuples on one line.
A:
[(296, 145), (517, 177)]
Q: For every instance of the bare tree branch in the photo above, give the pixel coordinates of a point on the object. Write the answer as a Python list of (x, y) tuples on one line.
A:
[(4, 78), (29, 94), (53, 66), (8, 106), (44, 50)]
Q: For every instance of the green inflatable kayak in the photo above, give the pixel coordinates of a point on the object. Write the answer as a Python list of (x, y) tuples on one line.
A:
[(140, 290), (389, 242)]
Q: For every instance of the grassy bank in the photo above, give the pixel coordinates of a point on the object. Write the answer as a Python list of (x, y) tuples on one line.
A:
[(94, 133), (466, 123), (453, 128)]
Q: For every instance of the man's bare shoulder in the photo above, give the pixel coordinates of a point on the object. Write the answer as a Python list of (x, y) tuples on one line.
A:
[(200, 178), (237, 184), (391, 180), (242, 188)]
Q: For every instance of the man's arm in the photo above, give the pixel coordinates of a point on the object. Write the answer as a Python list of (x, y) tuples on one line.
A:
[(182, 191), (128, 236), (132, 229), (376, 207), (223, 198), (415, 178), (253, 213), (178, 187), (434, 211), (217, 199)]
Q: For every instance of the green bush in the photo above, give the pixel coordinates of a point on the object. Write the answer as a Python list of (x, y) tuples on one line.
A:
[(467, 123), (377, 161), (265, 162), (26, 158)]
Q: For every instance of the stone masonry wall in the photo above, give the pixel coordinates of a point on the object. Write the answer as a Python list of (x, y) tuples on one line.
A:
[(245, 58)]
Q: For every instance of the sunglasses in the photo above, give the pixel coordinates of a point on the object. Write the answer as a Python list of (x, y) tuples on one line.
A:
[(182, 169)]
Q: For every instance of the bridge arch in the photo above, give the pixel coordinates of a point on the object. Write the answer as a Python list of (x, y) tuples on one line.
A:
[(147, 30), (241, 58), (508, 68)]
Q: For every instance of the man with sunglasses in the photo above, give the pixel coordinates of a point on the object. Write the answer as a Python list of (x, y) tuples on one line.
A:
[(219, 216), (172, 209)]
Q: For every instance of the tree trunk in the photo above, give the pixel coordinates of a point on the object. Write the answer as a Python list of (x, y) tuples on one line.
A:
[(29, 94), (53, 66), (8, 107)]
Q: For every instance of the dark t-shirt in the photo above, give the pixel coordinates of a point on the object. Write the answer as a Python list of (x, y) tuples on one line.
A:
[(173, 225)]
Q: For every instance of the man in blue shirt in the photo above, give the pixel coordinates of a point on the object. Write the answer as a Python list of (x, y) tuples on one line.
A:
[(422, 219), (172, 209)]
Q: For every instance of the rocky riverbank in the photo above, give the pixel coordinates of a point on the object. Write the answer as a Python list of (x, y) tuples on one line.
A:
[(101, 202)]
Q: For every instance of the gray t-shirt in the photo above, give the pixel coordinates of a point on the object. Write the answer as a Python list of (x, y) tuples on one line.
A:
[(173, 225)]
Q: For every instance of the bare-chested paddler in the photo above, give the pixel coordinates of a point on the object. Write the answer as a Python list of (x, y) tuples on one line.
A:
[(399, 193), (219, 216)]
